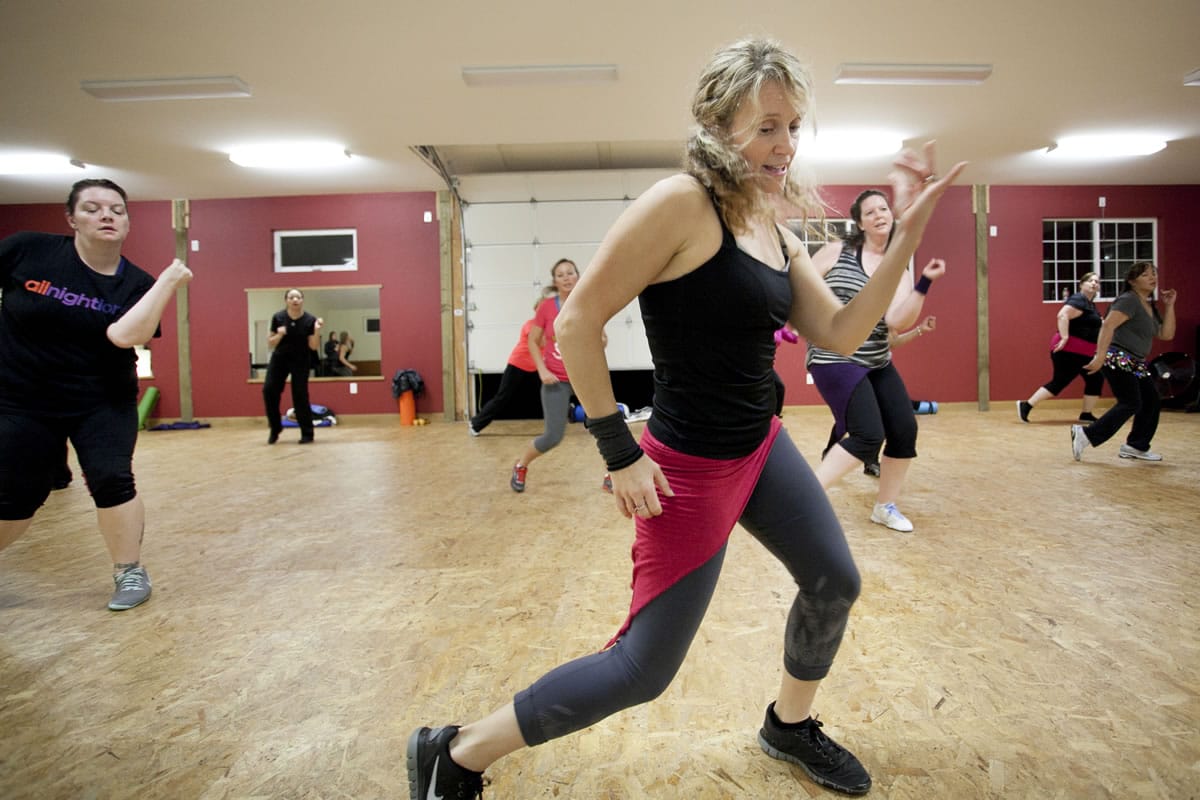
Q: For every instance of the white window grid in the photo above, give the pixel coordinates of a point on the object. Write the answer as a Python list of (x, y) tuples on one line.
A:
[(1108, 247), (815, 234)]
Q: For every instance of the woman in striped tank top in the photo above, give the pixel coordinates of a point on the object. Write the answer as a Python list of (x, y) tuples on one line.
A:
[(870, 404)]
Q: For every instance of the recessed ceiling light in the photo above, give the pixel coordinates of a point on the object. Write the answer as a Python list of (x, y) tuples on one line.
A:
[(539, 76), (289, 155), (912, 74), (1192, 78), (856, 145), (1106, 146), (207, 88), (37, 164)]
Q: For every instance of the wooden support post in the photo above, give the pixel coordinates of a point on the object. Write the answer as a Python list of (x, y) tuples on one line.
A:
[(180, 220), (980, 207)]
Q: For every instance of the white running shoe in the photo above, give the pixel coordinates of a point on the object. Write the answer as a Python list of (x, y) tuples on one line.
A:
[(1079, 441), (887, 514), (1129, 451)]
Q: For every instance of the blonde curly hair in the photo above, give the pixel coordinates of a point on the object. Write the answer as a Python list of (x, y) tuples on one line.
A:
[(733, 77)]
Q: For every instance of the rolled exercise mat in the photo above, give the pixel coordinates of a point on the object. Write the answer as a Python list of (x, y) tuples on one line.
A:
[(408, 407), (146, 406)]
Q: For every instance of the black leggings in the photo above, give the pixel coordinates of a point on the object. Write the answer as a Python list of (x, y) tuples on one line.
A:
[(880, 410), (512, 382), (1136, 397), (790, 515), (32, 451), (1069, 366), (278, 369)]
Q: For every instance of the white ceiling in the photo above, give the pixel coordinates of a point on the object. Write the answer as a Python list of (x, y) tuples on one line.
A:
[(382, 76)]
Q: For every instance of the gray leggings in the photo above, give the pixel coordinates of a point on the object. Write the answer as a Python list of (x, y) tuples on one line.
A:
[(790, 514), (556, 401)]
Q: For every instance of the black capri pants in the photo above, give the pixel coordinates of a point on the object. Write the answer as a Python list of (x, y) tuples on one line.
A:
[(31, 453), (1069, 366), (880, 411)]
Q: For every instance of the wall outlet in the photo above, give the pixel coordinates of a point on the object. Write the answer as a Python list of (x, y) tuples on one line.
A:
[(353, 387), (195, 245), (1103, 201)]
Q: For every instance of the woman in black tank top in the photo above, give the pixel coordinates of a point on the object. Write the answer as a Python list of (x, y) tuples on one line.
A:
[(701, 251)]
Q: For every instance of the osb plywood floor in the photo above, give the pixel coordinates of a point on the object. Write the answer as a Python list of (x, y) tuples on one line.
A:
[(1036, 637)]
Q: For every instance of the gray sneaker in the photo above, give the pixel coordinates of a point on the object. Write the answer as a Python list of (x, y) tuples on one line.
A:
[(1129, 451), (133, 589)]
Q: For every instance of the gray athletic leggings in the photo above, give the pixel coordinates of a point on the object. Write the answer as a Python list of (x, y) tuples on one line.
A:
[(556, 401), (790, 514)]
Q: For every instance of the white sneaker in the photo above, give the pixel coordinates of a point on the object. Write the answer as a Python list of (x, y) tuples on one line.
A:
[(1079, 441), (1129, 451), (887, 514), (471, 429)]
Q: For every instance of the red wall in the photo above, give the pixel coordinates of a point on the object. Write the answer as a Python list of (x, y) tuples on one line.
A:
[(941, 366), (400, 251), (1021, 325), (396, 248)]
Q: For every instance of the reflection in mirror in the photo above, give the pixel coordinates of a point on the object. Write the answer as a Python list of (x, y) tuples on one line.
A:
[(353, 310)]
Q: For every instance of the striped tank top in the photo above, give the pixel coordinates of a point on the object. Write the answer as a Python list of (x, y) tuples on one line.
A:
[(846, 278)]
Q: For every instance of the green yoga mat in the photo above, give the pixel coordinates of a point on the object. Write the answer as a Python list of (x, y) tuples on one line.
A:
[(146, 406)]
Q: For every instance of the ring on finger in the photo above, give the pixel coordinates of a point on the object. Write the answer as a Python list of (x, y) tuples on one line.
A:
[(930, 179)]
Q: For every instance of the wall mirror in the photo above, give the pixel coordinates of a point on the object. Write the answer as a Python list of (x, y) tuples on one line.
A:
[(350, 309)]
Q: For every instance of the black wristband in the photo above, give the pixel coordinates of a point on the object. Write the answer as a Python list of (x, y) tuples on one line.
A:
[(617, 446), (923, 285)]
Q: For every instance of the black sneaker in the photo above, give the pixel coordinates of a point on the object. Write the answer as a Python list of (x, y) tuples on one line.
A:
[(1087, 416), (825, 761), (432, 773), (871, 469), (1023, 409)]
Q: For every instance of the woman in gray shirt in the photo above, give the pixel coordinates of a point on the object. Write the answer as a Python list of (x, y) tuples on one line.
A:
[(1128, 332)]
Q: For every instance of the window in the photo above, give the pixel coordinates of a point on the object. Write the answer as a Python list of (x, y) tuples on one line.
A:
[(817, 233), (329, 250), (1108, 247)]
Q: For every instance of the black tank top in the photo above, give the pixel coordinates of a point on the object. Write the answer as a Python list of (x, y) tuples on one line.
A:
[(712, 339)]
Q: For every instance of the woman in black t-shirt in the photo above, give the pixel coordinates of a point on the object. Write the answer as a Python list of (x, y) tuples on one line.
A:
[(1072, 347), (295, 333), (73, 311)]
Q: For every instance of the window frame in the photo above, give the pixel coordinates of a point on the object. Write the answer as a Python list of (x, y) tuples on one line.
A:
[(1110, 250)]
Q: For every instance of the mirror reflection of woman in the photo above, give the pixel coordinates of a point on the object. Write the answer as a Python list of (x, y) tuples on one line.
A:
[(1072, 347), (295, 333), (345, 347), (74, 309)]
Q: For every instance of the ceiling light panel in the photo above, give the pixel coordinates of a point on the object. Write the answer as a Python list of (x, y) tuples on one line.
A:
[(286, 155), (37, 164), (208, 88), (540, 75), (912, 74), (1106, 146)]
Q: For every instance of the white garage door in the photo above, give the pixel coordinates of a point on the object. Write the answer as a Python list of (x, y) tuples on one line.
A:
[(510, 248)]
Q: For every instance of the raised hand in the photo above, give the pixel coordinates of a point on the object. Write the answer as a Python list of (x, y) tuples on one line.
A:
[(916, 187), (177, 273), (935, 269)]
